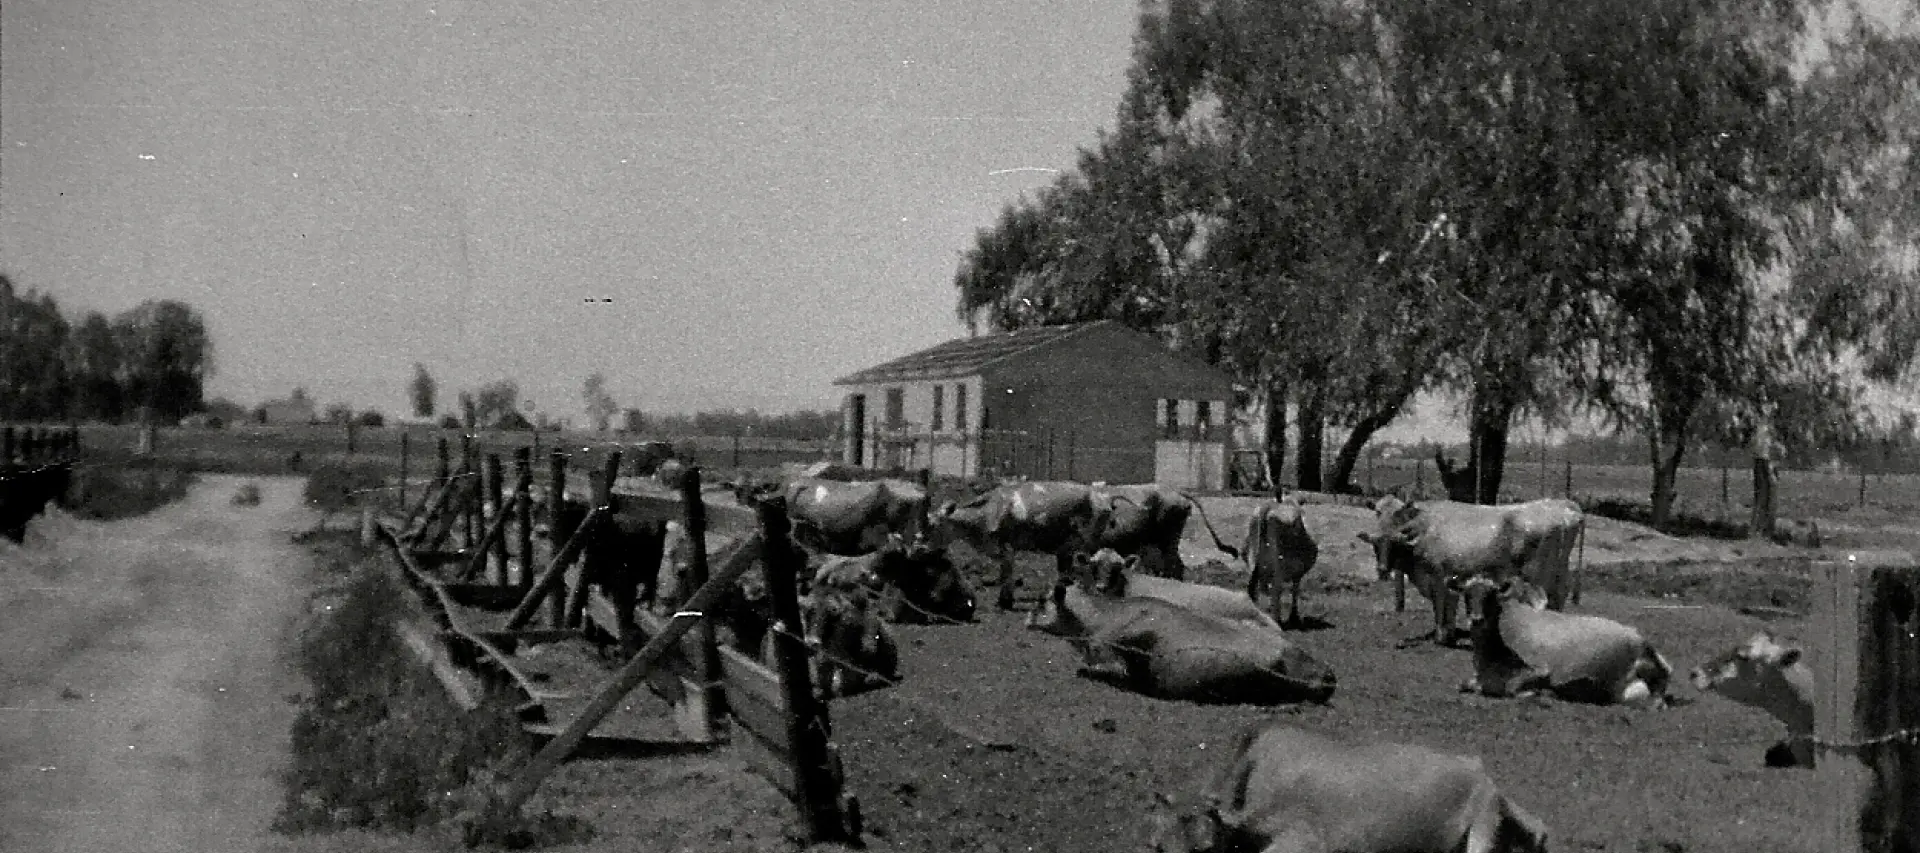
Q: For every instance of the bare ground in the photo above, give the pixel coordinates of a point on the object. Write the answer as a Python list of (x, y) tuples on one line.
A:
[(142, 693)]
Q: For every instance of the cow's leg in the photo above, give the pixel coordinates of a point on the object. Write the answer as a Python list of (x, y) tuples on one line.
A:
[(1253, 582), (1004, 557), (1293, 607)]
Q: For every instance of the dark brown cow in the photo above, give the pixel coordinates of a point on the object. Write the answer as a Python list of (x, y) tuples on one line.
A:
[(1279, 550), (851, 519), (1147, 519)]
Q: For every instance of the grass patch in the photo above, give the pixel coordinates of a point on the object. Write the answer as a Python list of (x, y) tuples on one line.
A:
[(1679, 522), (377, 745), (126, 490), (1767, 586), (341, 486)]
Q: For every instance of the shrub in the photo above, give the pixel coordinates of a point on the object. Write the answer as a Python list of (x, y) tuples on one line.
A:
[(376, 743), (337, 486), (370, 418)]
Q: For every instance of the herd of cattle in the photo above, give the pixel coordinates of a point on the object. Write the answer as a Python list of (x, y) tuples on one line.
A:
[(882, 553)]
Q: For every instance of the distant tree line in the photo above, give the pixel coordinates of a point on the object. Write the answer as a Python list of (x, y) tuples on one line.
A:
[(796, 426), (152, 359)]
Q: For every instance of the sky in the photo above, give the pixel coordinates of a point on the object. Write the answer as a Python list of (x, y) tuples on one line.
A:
[(717, 204), (771, 195)]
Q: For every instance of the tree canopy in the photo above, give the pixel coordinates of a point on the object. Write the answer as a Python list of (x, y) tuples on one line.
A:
[(1688, 219)]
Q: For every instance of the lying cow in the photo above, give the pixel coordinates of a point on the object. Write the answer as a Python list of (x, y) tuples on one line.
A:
[(1433, 542), (1774, 678), (915, 582), (1285, 789), (1278, 550), (1061, 518), (1174, 652), (850, 519), (1111, 574), (1520, 647)]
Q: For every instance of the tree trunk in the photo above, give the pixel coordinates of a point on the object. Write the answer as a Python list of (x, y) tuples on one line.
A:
[(1762, 522), (1276, 438), (1341, 479), (1486, 451), (1667, 445), (1313, 426)]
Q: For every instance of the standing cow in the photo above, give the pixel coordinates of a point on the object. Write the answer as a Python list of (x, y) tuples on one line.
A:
[(1279, 550), (1436, 541), (850, 519), (1061, 518)]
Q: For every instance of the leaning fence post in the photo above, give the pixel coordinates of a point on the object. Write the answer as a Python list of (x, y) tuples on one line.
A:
[(1865, 711), (470, 496)]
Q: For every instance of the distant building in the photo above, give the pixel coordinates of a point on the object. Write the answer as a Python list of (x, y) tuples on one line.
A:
[(1087, 402), (293, 410)]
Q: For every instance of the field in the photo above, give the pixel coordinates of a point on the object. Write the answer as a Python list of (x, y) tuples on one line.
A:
[(993, 743)]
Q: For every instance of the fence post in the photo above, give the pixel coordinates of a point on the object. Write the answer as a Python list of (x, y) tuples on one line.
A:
[(404, 452), (1863, 610), (1569, 480), (1863, 488), (556, 501), (736, 449), (807, 724), (352, 433), (706, 657), (523, 508), (1726, 495), (470, 492), (1419, 477), (495, 485), (445, 472)]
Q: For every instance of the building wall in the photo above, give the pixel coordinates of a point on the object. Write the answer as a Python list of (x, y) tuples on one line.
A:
[(913, 443), (1088, 408)]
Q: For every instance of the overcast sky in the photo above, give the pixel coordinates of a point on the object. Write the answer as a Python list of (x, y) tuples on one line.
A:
[(770, 194)]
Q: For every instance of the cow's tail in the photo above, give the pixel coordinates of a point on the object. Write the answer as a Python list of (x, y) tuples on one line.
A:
[(1217, 542)]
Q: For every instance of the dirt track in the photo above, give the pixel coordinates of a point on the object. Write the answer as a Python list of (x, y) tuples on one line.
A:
[(142, 693)]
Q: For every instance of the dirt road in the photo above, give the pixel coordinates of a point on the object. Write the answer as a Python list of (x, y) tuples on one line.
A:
[(142, 684)]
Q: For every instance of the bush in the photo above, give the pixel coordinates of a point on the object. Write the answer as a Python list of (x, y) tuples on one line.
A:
[(133, 489), (376, 743), (370, 418), (337, 486), (450, 422)]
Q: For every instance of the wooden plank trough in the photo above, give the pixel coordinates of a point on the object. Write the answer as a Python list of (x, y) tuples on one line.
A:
[(715, 695)]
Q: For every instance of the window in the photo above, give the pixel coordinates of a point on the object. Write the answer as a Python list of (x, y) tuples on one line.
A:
[(1170, 425), (1202, 418), (939, 407), (960, 408), (896, 407)]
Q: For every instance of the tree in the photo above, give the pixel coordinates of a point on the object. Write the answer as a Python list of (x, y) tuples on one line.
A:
[(94, 362), (370, 418), (33, 340), (469, 411), (422, 390), (600, 404), (495, 400), (338, 413), (167, 356)]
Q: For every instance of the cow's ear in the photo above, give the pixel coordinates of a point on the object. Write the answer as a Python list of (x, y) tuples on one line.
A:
[(1788, 657), (1132, 563), (1080, 559)]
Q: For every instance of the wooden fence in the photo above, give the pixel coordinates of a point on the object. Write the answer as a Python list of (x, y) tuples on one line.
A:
[(715, 693), (1867, 712), (36, 467)]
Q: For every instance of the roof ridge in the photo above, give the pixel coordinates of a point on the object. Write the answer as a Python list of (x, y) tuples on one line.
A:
[(966, 355)]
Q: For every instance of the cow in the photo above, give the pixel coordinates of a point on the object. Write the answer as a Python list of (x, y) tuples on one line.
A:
[(1520, 648), (1147, 519), (849, 649), (1435, 541), (1174, 652), (625, 553), (1060, 518), (1109, 573), (1764, 673), (1278, 550), (1283, 789), (914, 581), (850, 519)]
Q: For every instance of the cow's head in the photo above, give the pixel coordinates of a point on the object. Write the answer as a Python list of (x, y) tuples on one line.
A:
[(1175, 830), (1754, 672), (1104, 571), (1482, 596)]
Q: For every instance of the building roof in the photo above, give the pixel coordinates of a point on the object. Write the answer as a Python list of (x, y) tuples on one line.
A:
[(964, 356)]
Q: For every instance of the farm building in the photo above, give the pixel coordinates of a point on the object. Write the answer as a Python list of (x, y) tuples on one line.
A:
[(297, 409), (1088, 402)]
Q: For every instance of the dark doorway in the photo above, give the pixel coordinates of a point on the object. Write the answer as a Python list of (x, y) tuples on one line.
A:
[(857, 431)]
